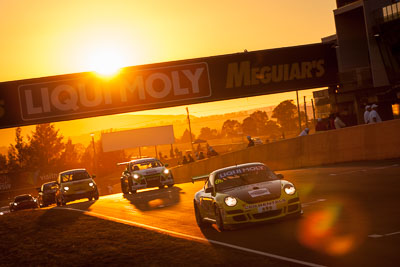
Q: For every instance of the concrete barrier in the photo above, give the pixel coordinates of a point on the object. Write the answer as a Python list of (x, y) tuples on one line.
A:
[(362, 142)]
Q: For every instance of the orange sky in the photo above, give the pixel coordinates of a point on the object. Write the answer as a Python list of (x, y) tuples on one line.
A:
[(47, 37)]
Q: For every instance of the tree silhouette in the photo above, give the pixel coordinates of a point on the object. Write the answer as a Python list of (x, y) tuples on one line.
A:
[(45, 148), (186, 137), (70, 156), (18, 154), (3, 162), (249, 126), (231, 128), (285, 113), (207, 133)]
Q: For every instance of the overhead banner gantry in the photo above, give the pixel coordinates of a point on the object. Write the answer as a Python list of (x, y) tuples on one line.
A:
[(160, 85)]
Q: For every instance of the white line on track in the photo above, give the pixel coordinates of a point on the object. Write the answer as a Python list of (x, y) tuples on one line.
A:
[(383, 235), (177, 234), (364, 170), (303, 205)]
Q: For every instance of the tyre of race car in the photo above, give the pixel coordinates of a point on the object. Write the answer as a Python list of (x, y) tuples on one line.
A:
[(124, 188), (96, 195), (57, 202), (199, 219), (218, 219), (63, 202), (170, 185)]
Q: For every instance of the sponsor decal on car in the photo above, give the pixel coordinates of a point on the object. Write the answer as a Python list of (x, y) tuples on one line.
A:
[(241, 170), (259, 192), (265, 204)]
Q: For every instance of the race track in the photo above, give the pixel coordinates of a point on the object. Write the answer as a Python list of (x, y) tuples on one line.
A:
[(351, 217)]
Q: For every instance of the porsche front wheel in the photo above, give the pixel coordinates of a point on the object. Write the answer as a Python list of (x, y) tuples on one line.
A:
[(218, 219), (199, 219)]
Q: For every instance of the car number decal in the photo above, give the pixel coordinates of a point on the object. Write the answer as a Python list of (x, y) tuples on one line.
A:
[(259, 192), (268, 207)]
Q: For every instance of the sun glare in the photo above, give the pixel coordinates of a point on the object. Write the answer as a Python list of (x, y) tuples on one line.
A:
[(106, 61)]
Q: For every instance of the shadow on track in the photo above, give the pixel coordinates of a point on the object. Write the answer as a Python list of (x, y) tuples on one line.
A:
[(155, 199)]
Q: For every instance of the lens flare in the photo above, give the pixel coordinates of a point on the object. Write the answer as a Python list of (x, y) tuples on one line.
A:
[(335, 229)]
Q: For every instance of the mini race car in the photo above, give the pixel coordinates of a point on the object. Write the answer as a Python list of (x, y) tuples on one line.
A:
[(244, 193), (47, 194), (75, 184), (145, 173)]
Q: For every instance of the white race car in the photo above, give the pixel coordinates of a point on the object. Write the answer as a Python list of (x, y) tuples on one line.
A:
[(145, 173)]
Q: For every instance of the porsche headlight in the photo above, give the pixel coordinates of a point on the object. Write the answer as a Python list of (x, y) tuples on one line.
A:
[(289, 189), (34, 200), (136, 176), (66, 188), (91, 184), (15, 204), (230, 201), (166, 171)]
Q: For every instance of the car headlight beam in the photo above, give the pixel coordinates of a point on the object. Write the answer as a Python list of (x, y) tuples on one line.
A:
[(230, 201), (136, 176), (166, 171), (91, 184), (289, 189), (66, 188)]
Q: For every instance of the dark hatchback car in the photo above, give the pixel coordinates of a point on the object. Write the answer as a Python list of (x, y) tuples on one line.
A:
[(22, 202), (47, 194)]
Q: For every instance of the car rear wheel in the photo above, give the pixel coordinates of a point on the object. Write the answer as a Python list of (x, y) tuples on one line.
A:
[(199, 220), (218, 219)]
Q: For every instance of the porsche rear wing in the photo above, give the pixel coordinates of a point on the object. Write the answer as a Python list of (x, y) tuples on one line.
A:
[(201, 177), (123, 163)]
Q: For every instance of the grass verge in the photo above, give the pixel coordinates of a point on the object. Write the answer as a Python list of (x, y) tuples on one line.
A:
[(59, 237)]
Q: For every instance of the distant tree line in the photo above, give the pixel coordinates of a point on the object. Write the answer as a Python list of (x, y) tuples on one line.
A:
[(256, 124), (45, 151)]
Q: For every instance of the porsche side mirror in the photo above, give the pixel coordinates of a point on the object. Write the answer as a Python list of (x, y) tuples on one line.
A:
[(166, 165), (208, 190), (93, 176), (280, 176)]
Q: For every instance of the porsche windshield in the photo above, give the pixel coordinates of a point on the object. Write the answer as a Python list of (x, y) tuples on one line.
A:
[(231, 178)]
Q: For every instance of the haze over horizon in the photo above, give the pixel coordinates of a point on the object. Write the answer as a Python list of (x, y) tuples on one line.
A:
[(40, 40)]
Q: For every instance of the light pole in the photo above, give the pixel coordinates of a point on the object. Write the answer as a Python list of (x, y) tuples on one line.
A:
[(94, 154), (190, 129)]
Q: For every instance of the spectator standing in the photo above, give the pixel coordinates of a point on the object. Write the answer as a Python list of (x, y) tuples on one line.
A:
[(201, 155), (331, 122), (211, 152), (320, 126), (366, 113), (304, 132), (251, 142), (338, 122), (190, 158), (373, 115)]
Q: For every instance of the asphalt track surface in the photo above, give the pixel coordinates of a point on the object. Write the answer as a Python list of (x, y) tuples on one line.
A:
[(351, 217)]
